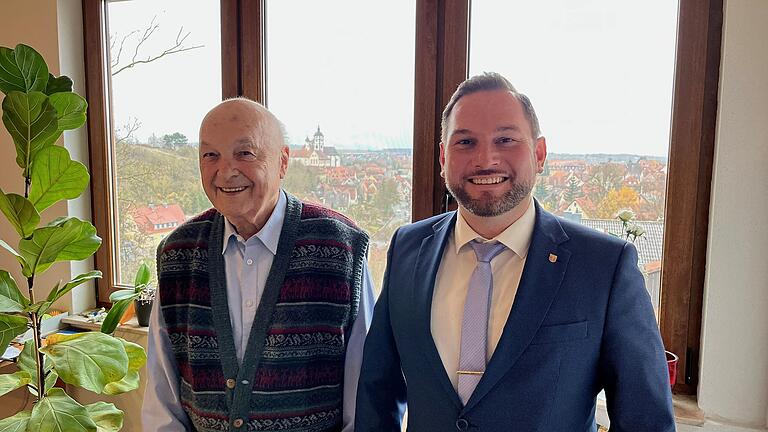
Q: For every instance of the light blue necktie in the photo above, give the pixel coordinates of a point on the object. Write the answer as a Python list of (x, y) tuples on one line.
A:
[(474, 326)]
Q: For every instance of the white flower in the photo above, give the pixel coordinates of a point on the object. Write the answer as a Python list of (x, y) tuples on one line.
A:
[(626, 215)]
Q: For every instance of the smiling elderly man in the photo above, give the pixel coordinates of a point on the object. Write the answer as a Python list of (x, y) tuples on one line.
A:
[(264, 300)]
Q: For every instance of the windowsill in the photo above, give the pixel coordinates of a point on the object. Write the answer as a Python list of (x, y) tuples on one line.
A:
[(687, 411), (130, 326)]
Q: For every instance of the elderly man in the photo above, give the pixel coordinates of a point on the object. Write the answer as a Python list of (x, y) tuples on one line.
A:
[(264, 300), (501, 316)]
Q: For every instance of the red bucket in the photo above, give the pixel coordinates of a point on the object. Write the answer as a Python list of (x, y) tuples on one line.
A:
[(672, 366)]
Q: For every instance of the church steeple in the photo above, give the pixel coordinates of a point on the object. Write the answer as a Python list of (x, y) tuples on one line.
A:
[(318, 140)]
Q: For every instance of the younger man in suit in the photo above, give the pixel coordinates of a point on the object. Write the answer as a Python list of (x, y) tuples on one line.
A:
[(502, 316)]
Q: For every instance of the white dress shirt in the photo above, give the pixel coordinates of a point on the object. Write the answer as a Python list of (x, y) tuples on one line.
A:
[(452, 283), (247, 264)]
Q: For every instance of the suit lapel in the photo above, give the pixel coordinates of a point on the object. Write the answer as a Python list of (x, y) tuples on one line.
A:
[(538, 287), (425, 272)]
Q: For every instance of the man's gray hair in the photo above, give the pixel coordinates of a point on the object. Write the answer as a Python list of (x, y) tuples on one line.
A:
[(490, 81)]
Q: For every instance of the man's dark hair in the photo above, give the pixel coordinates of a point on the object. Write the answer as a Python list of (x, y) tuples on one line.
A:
[(490, 81)]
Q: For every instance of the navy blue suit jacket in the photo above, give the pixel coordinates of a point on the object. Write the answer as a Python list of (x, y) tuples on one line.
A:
[(578, 325)]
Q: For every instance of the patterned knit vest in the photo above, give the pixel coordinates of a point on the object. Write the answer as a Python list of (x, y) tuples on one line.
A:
[(291, 378)]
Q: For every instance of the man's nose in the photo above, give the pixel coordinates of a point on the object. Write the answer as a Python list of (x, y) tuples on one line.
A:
[(486, 155), (228, 168)]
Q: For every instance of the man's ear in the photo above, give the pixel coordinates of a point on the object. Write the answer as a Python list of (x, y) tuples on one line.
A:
[(540, 150), (442, 159), (285, 154)]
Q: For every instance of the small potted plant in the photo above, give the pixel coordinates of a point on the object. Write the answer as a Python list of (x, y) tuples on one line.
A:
[(633, 231), (140, 296)]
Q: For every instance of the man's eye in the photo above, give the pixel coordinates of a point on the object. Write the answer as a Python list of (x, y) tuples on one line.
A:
[(506, 140), (464, 142), (246, 153), (209, 155)]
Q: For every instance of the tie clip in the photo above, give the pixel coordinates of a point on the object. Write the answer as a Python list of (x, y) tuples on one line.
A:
[(461, 372)]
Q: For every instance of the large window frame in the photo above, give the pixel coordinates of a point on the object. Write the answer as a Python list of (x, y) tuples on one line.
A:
[(442, 45)]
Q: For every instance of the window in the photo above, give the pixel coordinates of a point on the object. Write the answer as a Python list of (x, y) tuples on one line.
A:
[(348, 113), (258, 60), (161, 83), (607, 120)]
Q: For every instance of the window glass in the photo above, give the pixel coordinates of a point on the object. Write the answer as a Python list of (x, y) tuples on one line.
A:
[(165, 75), (340, 78), (600, 76)]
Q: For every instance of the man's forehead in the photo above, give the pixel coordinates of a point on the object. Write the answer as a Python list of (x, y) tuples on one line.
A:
[(497, 109)]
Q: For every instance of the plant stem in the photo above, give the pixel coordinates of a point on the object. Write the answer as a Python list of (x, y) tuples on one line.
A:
[(27, 182), (39, 359)]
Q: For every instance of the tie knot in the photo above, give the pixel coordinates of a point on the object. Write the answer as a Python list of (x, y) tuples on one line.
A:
[(486, 251)]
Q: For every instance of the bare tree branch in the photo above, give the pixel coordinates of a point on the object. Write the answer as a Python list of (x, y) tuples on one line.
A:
[(126, 131), (137, 57)]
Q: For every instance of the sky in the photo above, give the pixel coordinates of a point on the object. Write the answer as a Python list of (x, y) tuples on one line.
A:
[(599, 72)]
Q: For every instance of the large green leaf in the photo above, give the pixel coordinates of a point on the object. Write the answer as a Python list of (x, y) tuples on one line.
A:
[(123, 294), (56, 177), (137, 357), (28, 364), (89, 360), (18, 256), (10, 327), (22, 69), (70, 110), (142, 275), (20, 212), (112, 319), (130, 382), (70, 239), (15, 423), (57, 85), (106, 416), (57, 412), (10, 382), (31, 120), (11, 298), (78, 280)]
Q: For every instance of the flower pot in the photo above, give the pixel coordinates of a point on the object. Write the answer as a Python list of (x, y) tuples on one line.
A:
[(672, 360), (143, 309)]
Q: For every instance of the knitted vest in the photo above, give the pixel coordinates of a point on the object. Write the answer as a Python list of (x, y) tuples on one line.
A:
[(292, 374)]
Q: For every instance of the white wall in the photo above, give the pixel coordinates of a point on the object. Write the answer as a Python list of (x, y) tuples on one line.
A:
[(734, 366)]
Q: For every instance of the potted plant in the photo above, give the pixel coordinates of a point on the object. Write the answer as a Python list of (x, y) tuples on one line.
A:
[(37, 108), (141, 296), (631, 232)]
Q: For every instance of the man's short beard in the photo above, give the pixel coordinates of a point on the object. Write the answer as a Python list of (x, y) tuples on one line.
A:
[(488, 205)]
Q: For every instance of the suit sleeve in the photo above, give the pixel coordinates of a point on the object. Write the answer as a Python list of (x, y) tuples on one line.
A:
[(633, 364), (381, 389)]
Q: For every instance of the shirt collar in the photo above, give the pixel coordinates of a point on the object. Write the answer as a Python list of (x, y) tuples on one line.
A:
[(516, 237), (269, 234)]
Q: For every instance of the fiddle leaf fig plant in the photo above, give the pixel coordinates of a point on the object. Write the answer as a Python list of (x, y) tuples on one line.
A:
[(37, 108)]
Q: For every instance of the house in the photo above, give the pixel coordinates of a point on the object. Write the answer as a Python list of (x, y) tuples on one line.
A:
[(158, 219)]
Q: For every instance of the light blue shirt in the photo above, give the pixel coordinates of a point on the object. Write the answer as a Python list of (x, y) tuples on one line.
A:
[(247, 264)]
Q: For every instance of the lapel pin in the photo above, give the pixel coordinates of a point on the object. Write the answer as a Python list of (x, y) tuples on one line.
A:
[(552, 258)]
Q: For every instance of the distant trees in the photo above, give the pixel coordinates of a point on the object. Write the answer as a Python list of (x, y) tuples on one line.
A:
[(617, 199), (174, 140)]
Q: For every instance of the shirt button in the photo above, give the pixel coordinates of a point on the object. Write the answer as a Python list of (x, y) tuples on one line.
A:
[(462, 424), (230, 383), (249, 261), (238, 423), (249, 303)]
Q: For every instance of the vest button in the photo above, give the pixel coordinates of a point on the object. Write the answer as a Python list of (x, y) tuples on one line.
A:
[(462, 424), (230, 383), (238, 423)]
